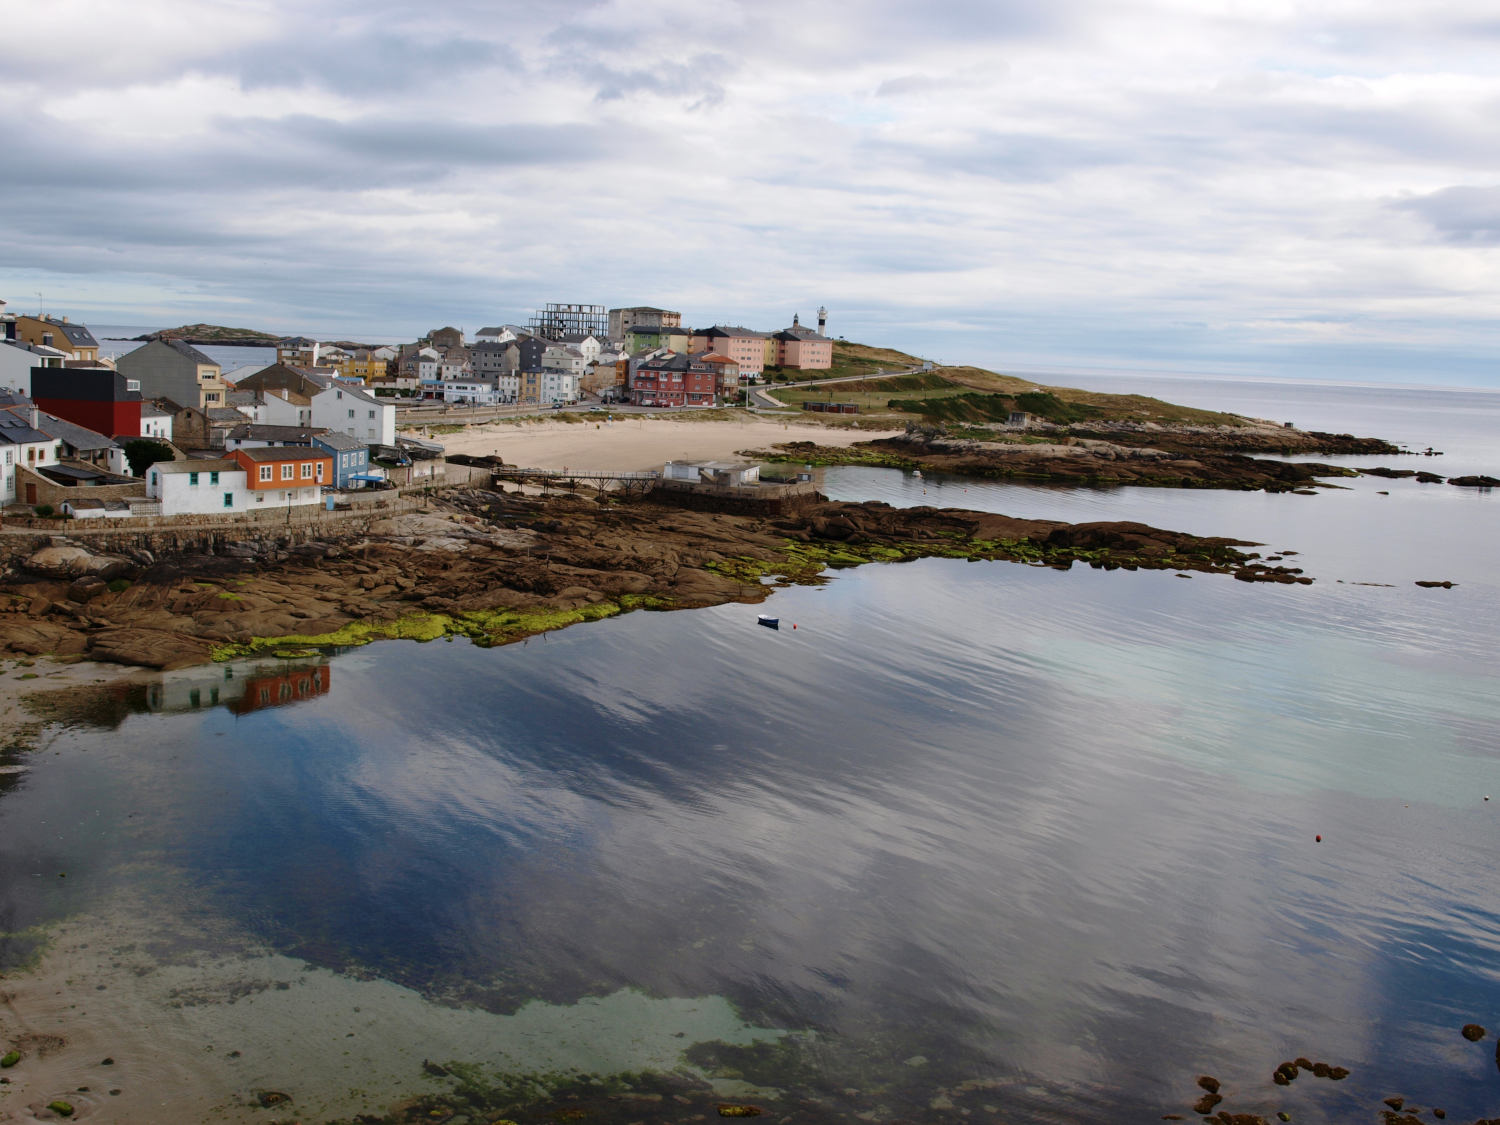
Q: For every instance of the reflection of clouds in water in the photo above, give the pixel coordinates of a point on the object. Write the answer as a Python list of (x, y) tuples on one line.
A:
[(1018, 820)]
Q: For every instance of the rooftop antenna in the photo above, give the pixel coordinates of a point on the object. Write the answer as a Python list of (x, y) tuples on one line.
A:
[(41, 308)]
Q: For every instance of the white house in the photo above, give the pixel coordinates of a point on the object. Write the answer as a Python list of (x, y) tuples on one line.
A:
[(281, 407), (429, 363), (97, 509), (480, 392), (17, 358), (557, 386), (199, 488), (155, 422), (564, 357), (23, 444), (500, 335), (354, 411), (291, 396), (712, 472)]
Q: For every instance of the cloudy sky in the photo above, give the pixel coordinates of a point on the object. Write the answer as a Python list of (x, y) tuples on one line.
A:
[(1305, 188)]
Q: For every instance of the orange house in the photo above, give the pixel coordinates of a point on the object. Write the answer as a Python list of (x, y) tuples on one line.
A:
[(288, 474)]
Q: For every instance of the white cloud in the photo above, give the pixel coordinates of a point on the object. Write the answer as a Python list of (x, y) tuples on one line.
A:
[(1285, 172)]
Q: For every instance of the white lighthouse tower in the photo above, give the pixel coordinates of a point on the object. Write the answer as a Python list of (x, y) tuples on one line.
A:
[(822, 320)]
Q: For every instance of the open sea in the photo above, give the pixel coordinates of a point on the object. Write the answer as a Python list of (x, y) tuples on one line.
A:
[(974, 841)]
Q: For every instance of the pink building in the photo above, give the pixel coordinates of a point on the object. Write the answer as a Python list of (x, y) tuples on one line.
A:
[(744, 347), (803, 348)]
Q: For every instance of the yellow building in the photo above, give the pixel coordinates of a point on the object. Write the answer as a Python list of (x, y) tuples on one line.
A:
[(52, 332)]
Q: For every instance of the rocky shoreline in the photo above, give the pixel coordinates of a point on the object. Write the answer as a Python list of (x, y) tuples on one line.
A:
[(498, 567)]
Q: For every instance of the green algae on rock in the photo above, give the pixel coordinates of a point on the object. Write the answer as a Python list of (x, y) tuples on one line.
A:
[(485, 628)]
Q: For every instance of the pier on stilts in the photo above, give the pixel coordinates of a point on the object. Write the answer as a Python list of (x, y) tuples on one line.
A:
[(629, 483)]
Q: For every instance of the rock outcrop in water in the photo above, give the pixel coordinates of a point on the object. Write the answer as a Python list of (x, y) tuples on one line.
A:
[(1073, 460)]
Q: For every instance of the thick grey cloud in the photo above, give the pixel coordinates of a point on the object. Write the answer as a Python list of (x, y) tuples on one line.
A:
[(1071, 180), (1465, 215)]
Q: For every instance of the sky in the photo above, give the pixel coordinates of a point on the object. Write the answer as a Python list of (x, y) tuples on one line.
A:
[(1271, 187)]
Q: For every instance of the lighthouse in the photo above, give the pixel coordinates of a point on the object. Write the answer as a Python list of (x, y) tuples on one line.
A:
[(822, 320)]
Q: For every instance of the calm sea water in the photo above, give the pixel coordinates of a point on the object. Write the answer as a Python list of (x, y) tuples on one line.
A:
[(1001, 836)]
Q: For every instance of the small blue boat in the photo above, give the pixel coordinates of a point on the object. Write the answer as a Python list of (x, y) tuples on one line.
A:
[(768, 621)]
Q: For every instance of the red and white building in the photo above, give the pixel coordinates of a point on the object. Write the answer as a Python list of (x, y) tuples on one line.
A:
[(284, 475), (673, 380)]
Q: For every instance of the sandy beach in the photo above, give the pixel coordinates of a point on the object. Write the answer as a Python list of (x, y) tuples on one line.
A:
[(635, 443)]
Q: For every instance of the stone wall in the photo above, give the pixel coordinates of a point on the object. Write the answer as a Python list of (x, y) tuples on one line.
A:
[(760, 500), (189, 534), (50, 492)]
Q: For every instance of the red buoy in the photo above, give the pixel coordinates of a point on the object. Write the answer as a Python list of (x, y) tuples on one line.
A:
[(1318, 839)]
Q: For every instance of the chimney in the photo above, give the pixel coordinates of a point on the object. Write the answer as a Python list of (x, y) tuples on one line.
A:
[(35, 419)]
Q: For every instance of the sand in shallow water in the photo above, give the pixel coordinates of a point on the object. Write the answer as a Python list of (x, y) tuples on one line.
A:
[(196, 1035)]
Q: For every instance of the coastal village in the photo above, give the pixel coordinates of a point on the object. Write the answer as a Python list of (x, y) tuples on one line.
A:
[(163, 512), (164, 431)]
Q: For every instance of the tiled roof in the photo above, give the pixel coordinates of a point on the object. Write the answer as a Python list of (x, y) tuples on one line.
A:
[(77, 334), (183, 348), (730, 330), (256, 432), (79, 437), (35, 349), (339, 441), (16, 428), (281, 452)]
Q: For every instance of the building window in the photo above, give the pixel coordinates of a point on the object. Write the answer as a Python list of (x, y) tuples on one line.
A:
[(287, 473), (260, 497), (192, 478), (265, 472), (213, 478), (351, 412), (372, 414), (307, 470), (228, 499)]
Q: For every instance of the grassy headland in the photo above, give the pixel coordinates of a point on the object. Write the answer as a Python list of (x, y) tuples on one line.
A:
[(215, 334)]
